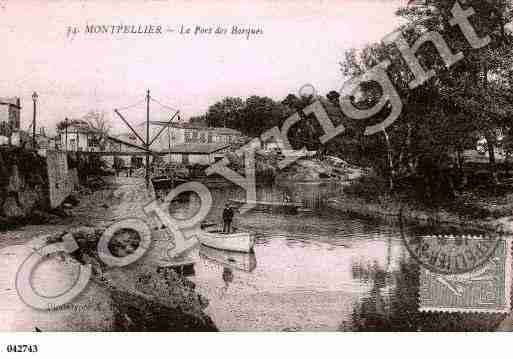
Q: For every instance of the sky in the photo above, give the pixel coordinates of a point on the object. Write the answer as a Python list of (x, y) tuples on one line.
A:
[(302, 43)]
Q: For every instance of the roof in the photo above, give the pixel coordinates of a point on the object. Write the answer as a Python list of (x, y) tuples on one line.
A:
[(224, 130), (11, 101), (196, 148), (79, 126), (126, 136), (73, 128), (221, 130), (129, 144)]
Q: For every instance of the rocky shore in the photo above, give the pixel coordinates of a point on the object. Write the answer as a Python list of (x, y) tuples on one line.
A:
[(392, 210), (138, 297)]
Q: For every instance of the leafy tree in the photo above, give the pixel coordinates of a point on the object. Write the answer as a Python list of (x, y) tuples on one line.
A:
[(475, 86), (198, 120), (441, 116), (225, 113), (260, 114), (251, 117)]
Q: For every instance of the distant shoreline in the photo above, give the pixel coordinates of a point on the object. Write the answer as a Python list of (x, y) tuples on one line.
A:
[(393, 210)]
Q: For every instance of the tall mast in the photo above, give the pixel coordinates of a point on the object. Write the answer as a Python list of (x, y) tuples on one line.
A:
[(147, 144)]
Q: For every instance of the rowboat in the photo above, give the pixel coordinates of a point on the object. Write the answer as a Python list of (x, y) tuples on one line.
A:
[(289, 207), (238, 241)]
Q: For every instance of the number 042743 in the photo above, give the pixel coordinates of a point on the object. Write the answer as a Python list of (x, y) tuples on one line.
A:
[(22, 348)]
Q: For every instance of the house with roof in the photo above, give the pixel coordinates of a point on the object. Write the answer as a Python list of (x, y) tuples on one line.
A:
[(127, 147), (195, 153), (78, 135), (186, 133)]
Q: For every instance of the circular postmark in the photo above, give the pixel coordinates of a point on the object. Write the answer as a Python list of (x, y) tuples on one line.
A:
[(452, 253)]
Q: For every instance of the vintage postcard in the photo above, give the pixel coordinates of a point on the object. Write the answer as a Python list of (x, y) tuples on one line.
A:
[(198, 166)]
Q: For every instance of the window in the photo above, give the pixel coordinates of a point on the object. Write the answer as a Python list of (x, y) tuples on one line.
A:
[(93, 141), (188, 137), (4, 128)]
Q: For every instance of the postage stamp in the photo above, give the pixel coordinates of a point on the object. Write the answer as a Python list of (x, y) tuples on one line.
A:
[(486, 289), (452, 254)]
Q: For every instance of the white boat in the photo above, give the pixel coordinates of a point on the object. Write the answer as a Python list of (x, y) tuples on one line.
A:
[(288, 207), (268, 203), (238, 241)]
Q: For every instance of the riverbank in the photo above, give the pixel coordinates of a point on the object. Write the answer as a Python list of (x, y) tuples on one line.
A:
[(139, 297), (144, 296), (470, 210)]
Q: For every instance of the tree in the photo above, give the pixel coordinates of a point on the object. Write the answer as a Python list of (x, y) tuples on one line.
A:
[(475, 86), (100, 126), (442, 115), (252, 116), (260, 114), (225, 113), (198, 120)]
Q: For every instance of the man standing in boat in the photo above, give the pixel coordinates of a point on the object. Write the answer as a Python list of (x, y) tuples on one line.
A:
[(227, 218)]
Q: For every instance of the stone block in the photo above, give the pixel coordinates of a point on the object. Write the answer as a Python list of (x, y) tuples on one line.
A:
[(11, 208), (16, 182)]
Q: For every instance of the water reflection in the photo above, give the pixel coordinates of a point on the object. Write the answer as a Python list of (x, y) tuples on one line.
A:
[(318, 271), (392, 305), (227, 277), (237, 260), (312, 196)]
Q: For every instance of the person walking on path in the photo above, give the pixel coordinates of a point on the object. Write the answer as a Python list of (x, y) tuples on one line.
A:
[(227, 218)]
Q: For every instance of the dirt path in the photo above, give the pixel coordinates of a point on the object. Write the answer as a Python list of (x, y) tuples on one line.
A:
[(123, 197)]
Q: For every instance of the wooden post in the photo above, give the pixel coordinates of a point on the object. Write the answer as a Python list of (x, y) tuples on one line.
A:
[(147, 144), (34, 99), (66, 129)]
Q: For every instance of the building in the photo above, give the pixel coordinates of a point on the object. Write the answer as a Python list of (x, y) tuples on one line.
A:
[(10, 109), (195, 153), (78, 135), (44, 142), (124, 147), (186, 133)]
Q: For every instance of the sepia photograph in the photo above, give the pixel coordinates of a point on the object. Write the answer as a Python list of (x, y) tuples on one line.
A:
[(264, 166)]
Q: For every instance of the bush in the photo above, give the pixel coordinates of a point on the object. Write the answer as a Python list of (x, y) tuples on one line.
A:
[(367, 187)]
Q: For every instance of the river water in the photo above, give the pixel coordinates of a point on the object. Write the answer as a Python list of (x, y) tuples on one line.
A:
[(317, 270)]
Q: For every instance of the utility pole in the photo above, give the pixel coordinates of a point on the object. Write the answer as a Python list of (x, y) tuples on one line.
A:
[(34, 99), (147, 144), (66, 131)]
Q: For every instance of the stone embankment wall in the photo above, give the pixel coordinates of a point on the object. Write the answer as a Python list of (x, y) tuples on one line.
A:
[(23, 183), (31, 183)]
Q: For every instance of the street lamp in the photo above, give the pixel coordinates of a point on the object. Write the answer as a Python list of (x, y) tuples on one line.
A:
[(34, 99)]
